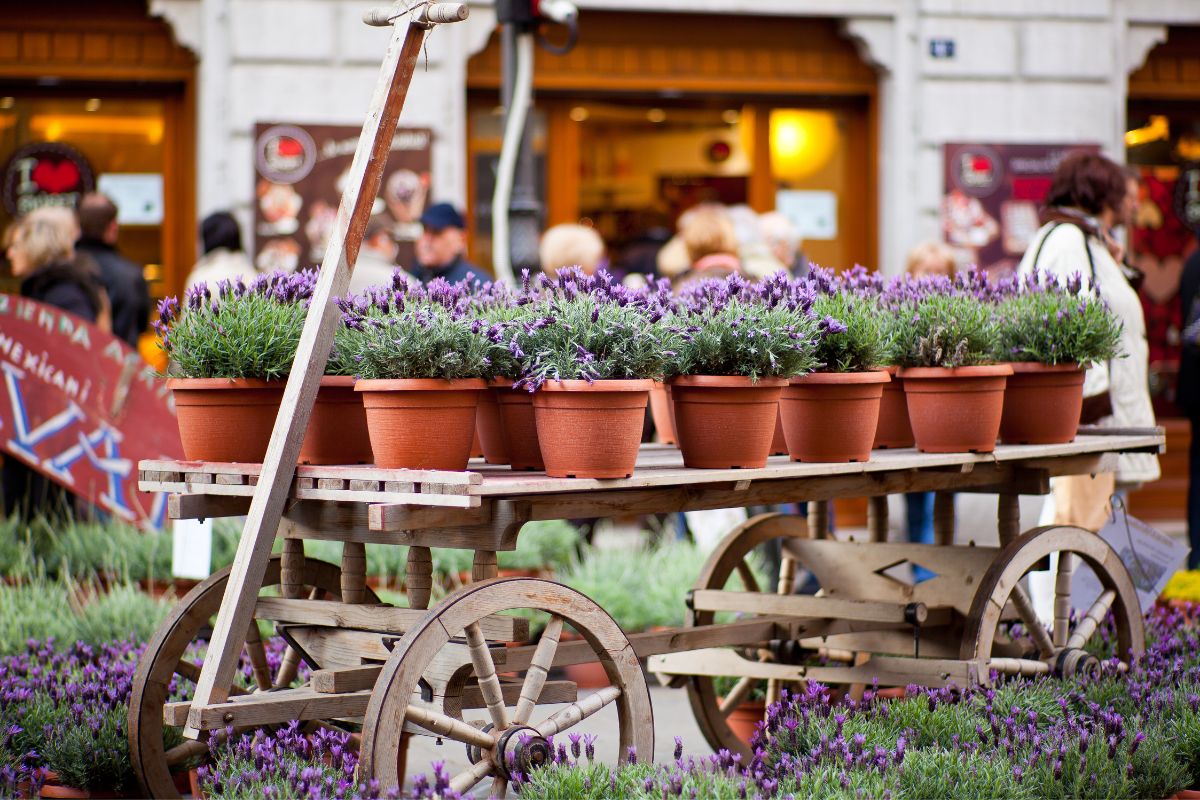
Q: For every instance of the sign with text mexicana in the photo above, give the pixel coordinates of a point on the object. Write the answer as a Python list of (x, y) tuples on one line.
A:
[(45, 174), (81, 407)]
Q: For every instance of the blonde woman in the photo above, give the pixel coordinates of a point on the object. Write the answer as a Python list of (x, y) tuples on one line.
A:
[(41, 253), (571, 245), (711, 243)]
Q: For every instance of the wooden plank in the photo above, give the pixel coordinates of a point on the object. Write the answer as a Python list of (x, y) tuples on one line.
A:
[(347, 473), (268, 708), (345, 679), (493, 526), (380, 618), (206, 506), (813, 607), (300, 491)]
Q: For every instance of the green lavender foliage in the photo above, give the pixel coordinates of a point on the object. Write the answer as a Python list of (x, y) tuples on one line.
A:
[(1055, 326), (858, 348), (746, 339), (945, 330), (251, 336), (415, 342), (583, 337)]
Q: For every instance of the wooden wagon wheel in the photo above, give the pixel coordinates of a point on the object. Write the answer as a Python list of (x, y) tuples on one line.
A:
[(710, 709), (512, 740), (166, 657), (1002, 601)]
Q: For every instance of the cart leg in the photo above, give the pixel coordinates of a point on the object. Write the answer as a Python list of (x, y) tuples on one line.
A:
[(787, 578), (354, 572), (483, 566), (818, 519), (943, 518), (877, 518), (418, 576), (1008, 517)]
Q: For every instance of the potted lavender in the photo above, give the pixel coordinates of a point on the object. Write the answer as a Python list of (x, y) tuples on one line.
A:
[(946, 339), (831, 414), (1050, 334), (230, 348), (590, 354), (739, 347), (421, 363)]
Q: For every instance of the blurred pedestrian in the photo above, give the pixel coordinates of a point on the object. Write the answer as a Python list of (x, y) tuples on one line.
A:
[(757, 259), (441, 250), (376, 264), (931, 258), (1086, 199), (41, 252), (224, 258), (711, 244), (122, 279), (784, 242), (571, 245), (1188, 392)]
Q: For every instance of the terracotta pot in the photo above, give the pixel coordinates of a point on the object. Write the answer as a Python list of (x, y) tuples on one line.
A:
[(832, 416), (663, 413), (587, 676), (725, 421), (955, 410), (1042, 404), (779, 439), (745, 718), (421, 423), (337, 429), (194, 784), (893, 430), (490, 429), (225, 419), (518, 427), (591, 430)]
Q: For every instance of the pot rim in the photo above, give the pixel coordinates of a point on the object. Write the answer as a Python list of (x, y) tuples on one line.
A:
[(890, 369), (419, 384), (224, 383), (338, 381), (842, 378), (978, 371), (500, 383), (600, 385), (1037, 366), (726, 382)]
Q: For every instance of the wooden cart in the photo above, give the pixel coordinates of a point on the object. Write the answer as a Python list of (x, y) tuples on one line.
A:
[(421, 670), (383, 672)]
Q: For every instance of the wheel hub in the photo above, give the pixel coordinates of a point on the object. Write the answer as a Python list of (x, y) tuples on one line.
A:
[(527, 749), (1078, 664)]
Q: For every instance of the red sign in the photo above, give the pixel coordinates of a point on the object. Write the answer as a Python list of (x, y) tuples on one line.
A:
[(82, 408), (45, 174)]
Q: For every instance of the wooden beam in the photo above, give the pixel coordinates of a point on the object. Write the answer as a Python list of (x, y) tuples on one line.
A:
[(808, 606), (267, 708), (379, 618)]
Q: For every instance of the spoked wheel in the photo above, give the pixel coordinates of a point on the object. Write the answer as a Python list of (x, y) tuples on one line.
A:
[(1004, 628), (167, 660), (450, 640), (712, 709)]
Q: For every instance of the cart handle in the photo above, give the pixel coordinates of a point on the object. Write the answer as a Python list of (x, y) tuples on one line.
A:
[(427, 13)]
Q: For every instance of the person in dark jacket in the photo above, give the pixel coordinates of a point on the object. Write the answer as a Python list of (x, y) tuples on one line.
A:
[(441, 248), (120, 277), (41, 253), (1187, 397)]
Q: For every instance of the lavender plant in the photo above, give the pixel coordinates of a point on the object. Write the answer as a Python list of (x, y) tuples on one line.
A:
[(851, 334), (939, 322), (236, 330), (1046, 322), (730, 328)]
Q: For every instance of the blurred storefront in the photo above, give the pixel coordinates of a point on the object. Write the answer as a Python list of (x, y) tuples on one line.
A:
[(101, 96)]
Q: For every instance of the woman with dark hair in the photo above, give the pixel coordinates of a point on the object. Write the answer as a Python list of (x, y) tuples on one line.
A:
[(1086, 199), (221, 238)]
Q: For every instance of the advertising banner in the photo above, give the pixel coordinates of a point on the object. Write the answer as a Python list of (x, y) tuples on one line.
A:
[(993, 193), (300, 172), (81, 407)]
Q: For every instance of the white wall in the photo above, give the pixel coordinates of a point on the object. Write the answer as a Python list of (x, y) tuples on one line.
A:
[(1023, 71)]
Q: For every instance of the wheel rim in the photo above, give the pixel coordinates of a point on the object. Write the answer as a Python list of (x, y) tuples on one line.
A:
[(163, 658), (390, 705), (1061, 650)]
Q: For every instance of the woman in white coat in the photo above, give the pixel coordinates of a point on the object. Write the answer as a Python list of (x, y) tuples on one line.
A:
[(1085, 201)]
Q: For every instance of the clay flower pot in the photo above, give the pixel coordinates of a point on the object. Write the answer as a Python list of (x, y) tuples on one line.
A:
[(955, 410), (779, 439), (421, 423), (832, 416), (225, 419), (745, 718), (591, 430), (662, 413), (1042, 403), (517, 426), (489, 427), (725, 421), (337, 429), (894, 430)]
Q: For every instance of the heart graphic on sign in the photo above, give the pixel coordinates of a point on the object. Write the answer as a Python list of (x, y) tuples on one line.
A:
[(55, 177)]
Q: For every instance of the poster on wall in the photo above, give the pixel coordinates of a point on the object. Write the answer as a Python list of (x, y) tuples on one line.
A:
[(300, 173), (43, 174), (80, 407), (993, 194)]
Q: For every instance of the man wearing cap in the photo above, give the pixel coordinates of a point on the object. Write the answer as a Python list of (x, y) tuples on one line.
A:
[(441, 246)]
